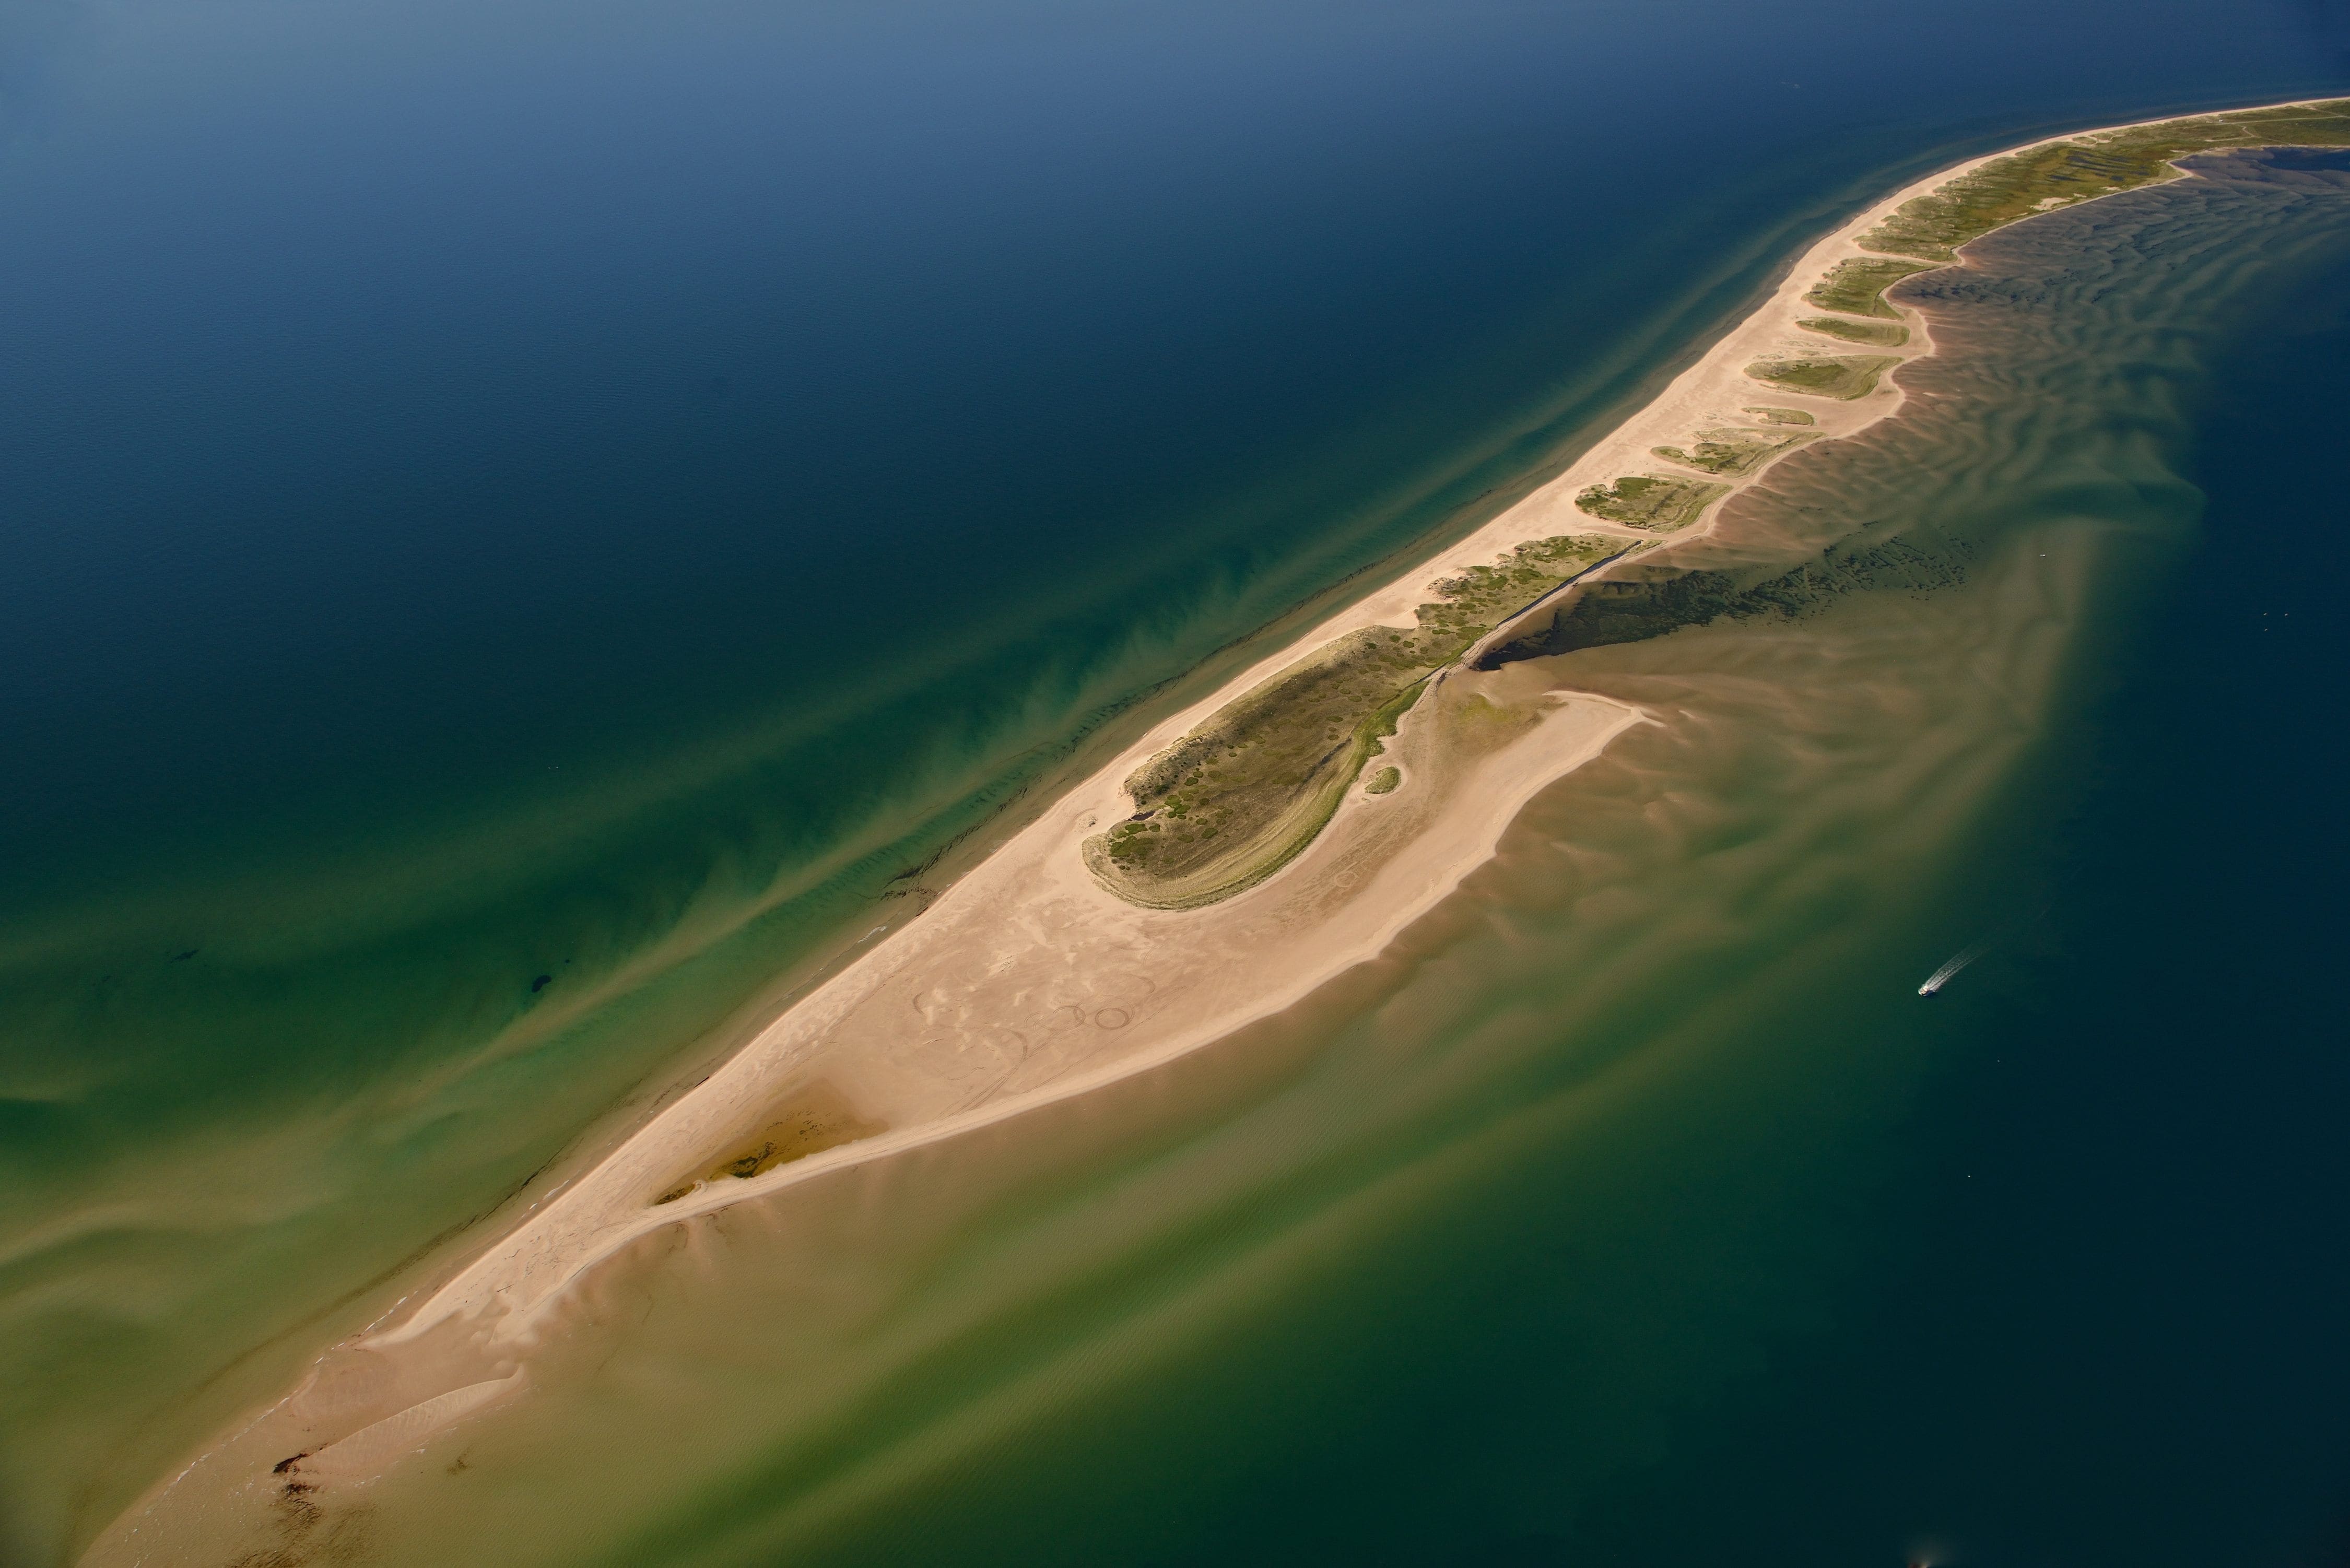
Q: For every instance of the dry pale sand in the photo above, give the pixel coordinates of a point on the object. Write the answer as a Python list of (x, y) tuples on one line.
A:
[(1027, 983)]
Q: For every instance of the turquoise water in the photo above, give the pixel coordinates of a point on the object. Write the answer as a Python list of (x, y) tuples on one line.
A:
[(495, 495)]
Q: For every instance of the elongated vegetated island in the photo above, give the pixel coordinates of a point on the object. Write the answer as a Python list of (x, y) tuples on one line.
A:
[(1241, 794), (1920, 235), (1233, 801), (1858, 287), (1876, 334), (1840, 376), (1083, 950), (1733, 451), (1654, 502)]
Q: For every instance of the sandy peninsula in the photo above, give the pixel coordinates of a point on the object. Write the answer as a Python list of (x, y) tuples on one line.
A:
[(1029, 982)]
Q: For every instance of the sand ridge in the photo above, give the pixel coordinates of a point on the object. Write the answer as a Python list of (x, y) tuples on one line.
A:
[(1027, 981)]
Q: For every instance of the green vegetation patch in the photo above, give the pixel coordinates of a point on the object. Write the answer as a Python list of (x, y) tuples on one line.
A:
[(1845, 376), (1782, 416), (1650, 501), (1877, 334), (1732, 452), (1236, 799), (2064, 173), (1857, 286), (1931, 227), (1384, 782)]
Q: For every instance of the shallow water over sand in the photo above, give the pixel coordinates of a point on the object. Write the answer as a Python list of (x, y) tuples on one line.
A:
[(1637, 1172)]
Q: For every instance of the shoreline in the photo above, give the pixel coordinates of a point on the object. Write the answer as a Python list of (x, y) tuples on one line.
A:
[(1373, 871), (512, 1281)]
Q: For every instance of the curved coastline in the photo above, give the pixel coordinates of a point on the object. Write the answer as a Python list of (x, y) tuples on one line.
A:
[(515, 1279), (1380, 865)]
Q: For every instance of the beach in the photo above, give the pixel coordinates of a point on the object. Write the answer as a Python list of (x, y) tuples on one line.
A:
[(991, 1003), (1027, 983), (994, 1001)]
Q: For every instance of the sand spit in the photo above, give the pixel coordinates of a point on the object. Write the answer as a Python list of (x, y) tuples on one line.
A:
[(1029, 982)]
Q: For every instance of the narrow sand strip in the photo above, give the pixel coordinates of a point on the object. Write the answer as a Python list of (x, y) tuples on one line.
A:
[(1027, 983), (373, 1448)]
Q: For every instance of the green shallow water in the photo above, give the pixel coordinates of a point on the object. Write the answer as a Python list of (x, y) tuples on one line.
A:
[(348, 1066), (1633, 1207), (369, 860)]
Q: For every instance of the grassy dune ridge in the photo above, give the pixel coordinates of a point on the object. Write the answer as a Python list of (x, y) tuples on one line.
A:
[(1840, 376), (1733, 451), (1242, 793), (1924, 232), (1857, 287), (1876, 334), (1236, 799), (2065, 173), (1657, 503)]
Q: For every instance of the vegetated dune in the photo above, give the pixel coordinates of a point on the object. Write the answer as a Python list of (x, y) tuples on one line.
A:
[(1235, 799)]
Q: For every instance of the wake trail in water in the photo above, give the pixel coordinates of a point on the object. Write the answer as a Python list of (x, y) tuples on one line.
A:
[(1943, 976)]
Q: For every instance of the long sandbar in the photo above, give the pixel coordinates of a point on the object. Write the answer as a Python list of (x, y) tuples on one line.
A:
[(1028, 982)]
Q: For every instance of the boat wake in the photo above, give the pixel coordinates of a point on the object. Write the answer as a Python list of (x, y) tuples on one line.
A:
[(1943, 976)]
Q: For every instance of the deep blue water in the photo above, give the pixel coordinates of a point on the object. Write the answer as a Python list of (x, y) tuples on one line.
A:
[(494, 487), (402, 402)]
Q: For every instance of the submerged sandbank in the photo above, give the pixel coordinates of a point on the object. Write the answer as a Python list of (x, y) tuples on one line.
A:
[(1028, 982)]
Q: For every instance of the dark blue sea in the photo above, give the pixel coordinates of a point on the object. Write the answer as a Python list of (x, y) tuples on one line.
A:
[(521, 525)]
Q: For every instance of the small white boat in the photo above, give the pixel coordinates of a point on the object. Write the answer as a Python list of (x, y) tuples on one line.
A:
[(1941, 977)]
